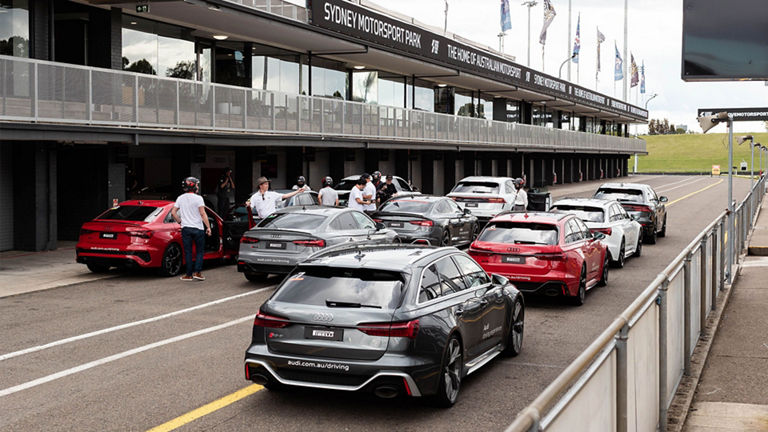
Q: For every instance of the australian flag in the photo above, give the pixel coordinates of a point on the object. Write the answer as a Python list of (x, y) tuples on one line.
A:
[(618, 70), (506, 20), (577, 41)]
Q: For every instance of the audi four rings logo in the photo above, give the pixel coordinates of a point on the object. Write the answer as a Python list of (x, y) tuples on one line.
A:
[(324, 317), (513, 249)]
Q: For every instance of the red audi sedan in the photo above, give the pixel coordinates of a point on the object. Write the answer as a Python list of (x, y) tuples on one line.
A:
[(144, 234), (543, 253)]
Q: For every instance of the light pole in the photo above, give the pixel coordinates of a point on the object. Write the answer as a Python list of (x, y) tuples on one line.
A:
[(646, 108), (445, 26), (530, 4), (560, 72)]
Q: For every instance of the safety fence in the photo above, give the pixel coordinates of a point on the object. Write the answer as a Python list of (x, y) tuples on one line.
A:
[(626, 379), (41, 91)]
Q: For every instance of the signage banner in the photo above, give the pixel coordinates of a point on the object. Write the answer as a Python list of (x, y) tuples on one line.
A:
[(739, 114), (364, 24)]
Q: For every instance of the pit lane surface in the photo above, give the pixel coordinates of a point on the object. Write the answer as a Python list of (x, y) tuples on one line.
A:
[(137, 351)]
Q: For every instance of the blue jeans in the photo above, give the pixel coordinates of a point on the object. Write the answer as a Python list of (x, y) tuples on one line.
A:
[(196, 237)]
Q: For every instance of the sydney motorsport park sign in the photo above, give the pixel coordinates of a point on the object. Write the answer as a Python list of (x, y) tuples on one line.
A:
[(364, 24)]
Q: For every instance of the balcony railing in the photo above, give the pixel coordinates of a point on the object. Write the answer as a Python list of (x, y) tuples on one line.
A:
[(277, 7), (48, 92)]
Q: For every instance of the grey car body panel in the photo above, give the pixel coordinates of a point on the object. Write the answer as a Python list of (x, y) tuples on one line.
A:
[(460, 226)]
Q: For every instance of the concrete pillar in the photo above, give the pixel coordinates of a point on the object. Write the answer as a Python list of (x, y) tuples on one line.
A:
[(35, 206), (438, 174)]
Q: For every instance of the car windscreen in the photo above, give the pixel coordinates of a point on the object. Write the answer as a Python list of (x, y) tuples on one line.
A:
[(132, 213), (364, 288), (301, 221), (406, 206), (476, 187), (625, 195), (585, 213), (519, 233), (346, 185)]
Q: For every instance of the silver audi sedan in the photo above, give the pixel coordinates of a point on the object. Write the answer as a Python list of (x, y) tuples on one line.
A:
[(290, 235)]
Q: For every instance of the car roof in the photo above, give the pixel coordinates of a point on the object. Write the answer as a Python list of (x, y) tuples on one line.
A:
[(355, 177), (416, 197), (378, 256), (314, 210), (147, 203), (624, 186), (485, 179), (595, 202), (530, 217)]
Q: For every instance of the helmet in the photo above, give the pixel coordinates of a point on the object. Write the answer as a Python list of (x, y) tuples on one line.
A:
[(376, 176), (190, 184), (301, 181), (518, 182), (328, 181)]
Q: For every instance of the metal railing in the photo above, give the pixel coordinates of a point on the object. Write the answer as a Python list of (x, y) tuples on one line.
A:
[(626, 379), (41, 91)]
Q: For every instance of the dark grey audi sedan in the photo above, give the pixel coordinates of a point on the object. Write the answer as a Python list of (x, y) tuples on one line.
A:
[(388, 319)]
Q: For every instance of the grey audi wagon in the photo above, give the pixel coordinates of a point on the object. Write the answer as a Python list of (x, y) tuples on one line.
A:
[(389, 319)]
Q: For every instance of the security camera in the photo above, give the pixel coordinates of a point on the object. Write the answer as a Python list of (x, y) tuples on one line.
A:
[(708, 122), (744, 139)]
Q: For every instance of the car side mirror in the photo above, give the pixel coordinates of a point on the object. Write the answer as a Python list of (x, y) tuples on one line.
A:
[(467, 211), (663, 199), (380, 226), (598, 236), (499, 280)]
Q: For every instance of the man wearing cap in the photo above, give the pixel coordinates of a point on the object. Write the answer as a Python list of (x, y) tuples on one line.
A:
[(264, 201), (386, 190), (369, 193)]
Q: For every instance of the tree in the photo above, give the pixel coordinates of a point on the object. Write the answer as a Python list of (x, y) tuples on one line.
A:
[(665, 127), (183, 70), (672, 129), (652, 127), (142, 66)]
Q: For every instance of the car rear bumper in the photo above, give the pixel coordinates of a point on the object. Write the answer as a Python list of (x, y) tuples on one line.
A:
[(129, 258), (260, 261), (245, 267), (414, 237), (550, 288), (392, 371)]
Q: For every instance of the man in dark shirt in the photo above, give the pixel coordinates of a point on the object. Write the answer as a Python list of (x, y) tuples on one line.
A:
[(386, 190), (225, 192)]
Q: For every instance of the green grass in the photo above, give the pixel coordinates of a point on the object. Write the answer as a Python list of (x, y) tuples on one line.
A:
[(694, 153)]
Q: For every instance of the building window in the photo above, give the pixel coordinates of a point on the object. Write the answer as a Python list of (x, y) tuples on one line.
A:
[(365, 86), (513, 111), (485, 107), (464, 103), (155, 48), (329, 79), (392, 91), (421, 96), (14, 28)]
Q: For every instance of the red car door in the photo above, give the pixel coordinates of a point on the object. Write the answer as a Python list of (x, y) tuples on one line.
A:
[(573, 249), (592, 254)]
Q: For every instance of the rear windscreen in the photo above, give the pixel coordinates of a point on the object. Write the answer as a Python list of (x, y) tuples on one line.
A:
[(364, 287), (477, 187), (406, 206), (519, 233), (587, 214), (631, 195), (300, 221), (346, 185), (132, 213)]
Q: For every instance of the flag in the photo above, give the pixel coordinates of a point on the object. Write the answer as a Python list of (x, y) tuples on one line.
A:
[(549, 15), (506, 21), (642, 78), (634, 72), (618, 70), (600, 39), (577, 41)]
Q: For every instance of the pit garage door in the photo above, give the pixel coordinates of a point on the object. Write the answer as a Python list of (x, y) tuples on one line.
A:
[(6, 197)]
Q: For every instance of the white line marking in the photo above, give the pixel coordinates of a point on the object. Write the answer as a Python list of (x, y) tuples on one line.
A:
[(105, 360), (674, 182), (683, 185), (127, 325)]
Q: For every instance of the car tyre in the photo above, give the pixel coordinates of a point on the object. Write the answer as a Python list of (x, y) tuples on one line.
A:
[(170, 265), (256, 277), (619, 263), (517, 325), (651, 238), (663, 232), (581, 294), (475, 231), (97, 268), (639, 247), (604, 272), (450, 374), (446, 239)]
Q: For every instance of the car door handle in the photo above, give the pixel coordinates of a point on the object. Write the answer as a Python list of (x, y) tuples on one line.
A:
[(459, 311)]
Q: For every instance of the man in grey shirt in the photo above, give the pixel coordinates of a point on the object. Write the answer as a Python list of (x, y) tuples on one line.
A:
[(328, 195)]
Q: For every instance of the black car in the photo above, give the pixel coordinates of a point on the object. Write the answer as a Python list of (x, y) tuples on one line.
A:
[(642, 203), (426, 218), (389, 319)]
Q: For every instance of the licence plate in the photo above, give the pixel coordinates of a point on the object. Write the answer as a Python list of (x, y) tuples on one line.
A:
[(323, 333), (396, 224), (470, 204), (277, 245), (108, 236), (513, 260)]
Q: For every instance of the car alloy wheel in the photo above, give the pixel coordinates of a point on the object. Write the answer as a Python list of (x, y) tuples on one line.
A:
[(639, 247), (651, 237), (475, 232), (619, 263), (171, 263), (581, 295), (515, 342), (604, 275), (446, 240), (663, 232), (450, 378)]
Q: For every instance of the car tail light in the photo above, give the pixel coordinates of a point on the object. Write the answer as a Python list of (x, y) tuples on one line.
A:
[(140, 233), (427, 223), (264, 320), (378, 220), (474, 247), (550, 256), (495, 200), (248, 240), (84, 231), (310, 243), (606, 231), (636, 208), (407, 329)]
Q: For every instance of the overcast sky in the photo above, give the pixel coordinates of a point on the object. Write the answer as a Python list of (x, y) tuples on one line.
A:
[(655, 36)]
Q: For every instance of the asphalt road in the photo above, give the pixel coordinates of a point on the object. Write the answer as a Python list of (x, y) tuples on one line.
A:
[(165, 361)]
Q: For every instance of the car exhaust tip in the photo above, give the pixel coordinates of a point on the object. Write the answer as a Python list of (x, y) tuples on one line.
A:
[(259, 379), (386, 392), (552, 292)]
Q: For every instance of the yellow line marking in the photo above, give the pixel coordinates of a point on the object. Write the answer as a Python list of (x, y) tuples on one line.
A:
[(207, 409), (694, 193)]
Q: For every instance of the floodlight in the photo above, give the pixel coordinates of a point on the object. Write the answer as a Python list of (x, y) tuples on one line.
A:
[(744, 139), (710, 121)]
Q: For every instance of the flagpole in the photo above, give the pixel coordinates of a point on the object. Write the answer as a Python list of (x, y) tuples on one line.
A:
[(568, 44), (626, 49)]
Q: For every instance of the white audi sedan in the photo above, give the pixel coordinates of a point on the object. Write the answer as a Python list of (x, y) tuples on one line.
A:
[(622, 233)]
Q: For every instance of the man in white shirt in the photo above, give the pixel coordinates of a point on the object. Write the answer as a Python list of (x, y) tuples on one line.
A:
[(189, 211), (264, 201), (521, 196), (369, 193), (328, 195), (357, 199)]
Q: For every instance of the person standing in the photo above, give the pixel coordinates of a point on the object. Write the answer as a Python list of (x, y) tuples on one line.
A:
[(264, 201), (369, 193), (301, 182), (328, 195), (225, 192), (189, 211), (386, 190), (357, 199), (521, 196)]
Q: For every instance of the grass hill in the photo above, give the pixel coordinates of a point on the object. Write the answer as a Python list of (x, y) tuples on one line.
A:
[(694, 152)]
